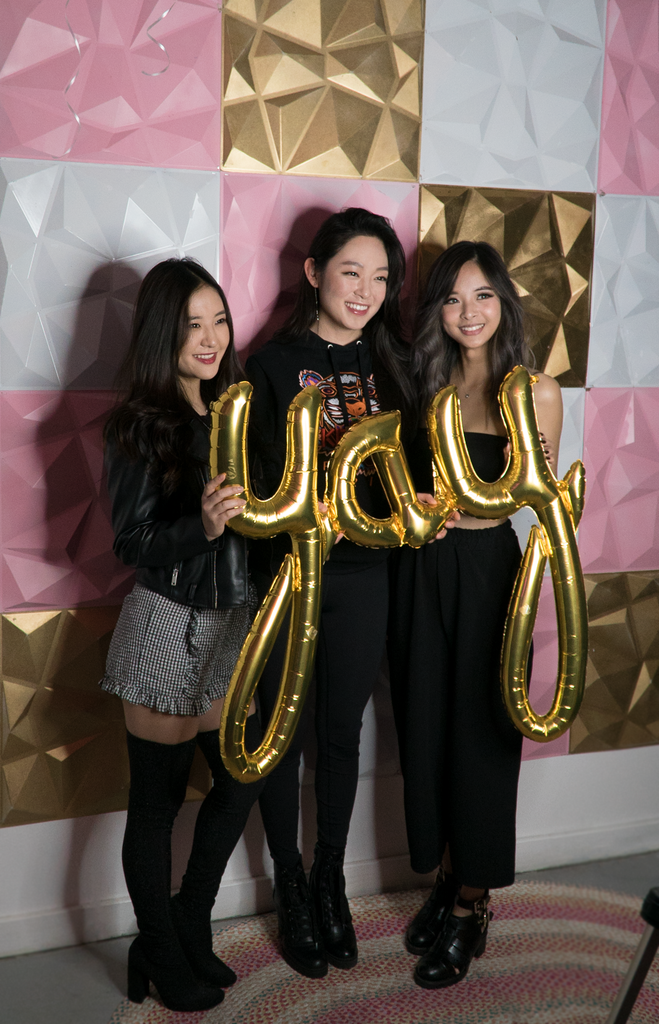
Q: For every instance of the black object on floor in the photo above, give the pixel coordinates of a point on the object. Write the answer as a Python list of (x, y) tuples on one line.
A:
[(640, 965)]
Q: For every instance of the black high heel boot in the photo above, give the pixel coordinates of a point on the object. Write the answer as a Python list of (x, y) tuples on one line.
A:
[(328, 890), (300, 942), (220, 823), (158, 777), (428, 923), (461, 939), (175, 982)]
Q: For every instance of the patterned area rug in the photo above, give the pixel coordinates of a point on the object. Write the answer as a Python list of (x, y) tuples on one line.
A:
[(555, 955)]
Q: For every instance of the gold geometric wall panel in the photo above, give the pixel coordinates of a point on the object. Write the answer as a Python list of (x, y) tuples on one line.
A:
[(323, 87), (546, 239), (621, 703), (63, 747)]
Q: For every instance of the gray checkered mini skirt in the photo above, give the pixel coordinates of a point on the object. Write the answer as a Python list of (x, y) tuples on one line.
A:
[(172, 657)]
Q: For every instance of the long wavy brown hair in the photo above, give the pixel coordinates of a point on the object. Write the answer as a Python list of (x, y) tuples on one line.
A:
[(152, 419), (435, 354)]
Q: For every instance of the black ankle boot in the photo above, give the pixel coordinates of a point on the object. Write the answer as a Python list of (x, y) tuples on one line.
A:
[(177, 986), (220, 823), (428, 923), (461, 939), (158, 777), (328, 889), (298, 934)]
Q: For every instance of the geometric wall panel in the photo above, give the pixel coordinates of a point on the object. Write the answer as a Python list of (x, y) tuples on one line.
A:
[(76, 240), (629, 144), (543, 676), (145, 88), (63, 749), (620, 526), (546, 239), (625, 318), (323, 88), (55, 532), (621, 703), (267, 226), (511, 93)]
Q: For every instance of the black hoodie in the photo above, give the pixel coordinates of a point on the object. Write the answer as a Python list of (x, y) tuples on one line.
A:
[(344, 375)]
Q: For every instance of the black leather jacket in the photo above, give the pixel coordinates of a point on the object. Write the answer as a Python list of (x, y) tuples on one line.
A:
[(163, 537)]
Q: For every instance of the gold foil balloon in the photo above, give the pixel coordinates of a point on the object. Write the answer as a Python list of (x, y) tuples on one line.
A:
[(411, 522), (527, 480), (293, 509)]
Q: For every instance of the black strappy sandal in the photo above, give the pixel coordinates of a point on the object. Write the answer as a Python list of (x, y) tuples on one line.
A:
[(425, 928), (461, 939)]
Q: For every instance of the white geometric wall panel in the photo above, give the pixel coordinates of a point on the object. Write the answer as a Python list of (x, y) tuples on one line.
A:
[(76, 241), (511, 93), (624, 335)]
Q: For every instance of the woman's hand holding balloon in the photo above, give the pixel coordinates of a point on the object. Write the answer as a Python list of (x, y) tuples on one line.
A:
[(429, 499), (219, 505)]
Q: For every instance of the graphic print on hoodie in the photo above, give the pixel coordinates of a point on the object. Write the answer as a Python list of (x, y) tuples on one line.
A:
[(332, 425)]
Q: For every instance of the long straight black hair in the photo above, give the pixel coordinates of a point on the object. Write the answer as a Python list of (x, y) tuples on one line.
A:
[(152, 418), (435, 354), (390, 353)]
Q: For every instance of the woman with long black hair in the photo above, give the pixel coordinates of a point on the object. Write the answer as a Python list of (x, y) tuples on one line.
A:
[(344, 336), (460, 754), (181, 628)]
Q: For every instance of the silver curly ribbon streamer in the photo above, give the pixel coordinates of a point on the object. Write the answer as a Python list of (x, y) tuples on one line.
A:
[(154, 74), (68, 86)]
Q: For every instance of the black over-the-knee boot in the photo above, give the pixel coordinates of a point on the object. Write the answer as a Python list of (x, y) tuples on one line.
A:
[(158, 778), (220, 823)]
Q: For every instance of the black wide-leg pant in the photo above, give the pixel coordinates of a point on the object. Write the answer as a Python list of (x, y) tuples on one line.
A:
[(460, 754), (351, 642)]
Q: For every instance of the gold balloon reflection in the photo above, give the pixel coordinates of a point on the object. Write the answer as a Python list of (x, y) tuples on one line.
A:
[(293, 509)]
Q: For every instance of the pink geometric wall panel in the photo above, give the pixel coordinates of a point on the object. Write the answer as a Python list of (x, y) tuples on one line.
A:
[(144, 88), (629, 140), (620, 526), (543, 677), (268, 224), (55, 528)]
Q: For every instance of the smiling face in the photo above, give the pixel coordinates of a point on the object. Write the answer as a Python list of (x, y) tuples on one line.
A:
[(351, 288), (206, 342), (472, 312)]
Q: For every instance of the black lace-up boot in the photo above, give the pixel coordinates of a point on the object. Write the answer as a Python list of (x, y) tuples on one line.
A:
[(298, 934), (328, 890)]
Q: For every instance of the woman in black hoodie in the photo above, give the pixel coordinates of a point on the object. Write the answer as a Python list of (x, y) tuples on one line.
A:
[(344, 336)]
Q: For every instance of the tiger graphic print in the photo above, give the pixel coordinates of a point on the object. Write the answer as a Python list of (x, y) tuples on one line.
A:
[(332, 427)]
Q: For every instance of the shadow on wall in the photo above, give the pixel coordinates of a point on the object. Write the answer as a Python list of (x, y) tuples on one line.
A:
[(77, 533), (289, 271)]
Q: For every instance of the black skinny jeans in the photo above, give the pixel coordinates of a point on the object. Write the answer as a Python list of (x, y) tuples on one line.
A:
[(351, 642)]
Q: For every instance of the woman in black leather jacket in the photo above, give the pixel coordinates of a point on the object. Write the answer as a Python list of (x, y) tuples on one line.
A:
[(181, 628)]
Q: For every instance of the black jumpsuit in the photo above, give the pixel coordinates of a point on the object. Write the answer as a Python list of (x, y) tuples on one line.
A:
[(460, 754)]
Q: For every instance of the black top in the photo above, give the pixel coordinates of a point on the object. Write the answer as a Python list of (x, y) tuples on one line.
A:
[(350, 389), (486, 452)]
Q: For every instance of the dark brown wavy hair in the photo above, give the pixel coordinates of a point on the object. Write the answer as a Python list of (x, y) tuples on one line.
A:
[(389, 352), (152, 419), (435, 354)]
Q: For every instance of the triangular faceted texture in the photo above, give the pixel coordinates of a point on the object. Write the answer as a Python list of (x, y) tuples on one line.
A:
[(140, 67)]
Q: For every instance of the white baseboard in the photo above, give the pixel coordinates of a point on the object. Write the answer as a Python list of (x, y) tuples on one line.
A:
[(572, 809), (72, 926), (577, 847)]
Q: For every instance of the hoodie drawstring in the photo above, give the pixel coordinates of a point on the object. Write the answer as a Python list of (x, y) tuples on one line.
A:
[(339, 384)]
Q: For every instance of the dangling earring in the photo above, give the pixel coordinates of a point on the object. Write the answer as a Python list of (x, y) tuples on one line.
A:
[(317, 304)]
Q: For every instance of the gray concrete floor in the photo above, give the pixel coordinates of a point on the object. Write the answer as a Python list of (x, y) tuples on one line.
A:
[(85, 984)]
